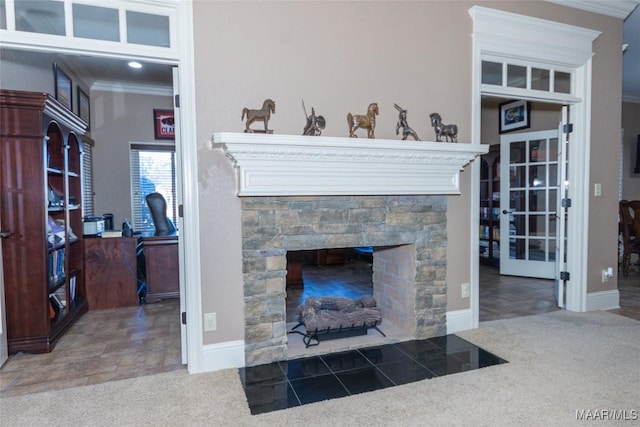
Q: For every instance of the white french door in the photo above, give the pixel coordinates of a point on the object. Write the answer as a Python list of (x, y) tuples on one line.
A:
[(529, 203)]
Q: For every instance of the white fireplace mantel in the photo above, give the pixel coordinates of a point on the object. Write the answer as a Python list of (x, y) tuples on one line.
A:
[(291, 165)]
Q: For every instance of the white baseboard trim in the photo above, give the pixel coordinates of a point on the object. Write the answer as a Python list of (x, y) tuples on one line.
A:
[(604, 300), (223, 355), (459, 320)]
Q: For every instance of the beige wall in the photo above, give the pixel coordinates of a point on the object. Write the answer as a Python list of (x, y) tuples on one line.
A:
[(24, 71), (339, 57), (117, 119), (33, 71), (631, 126), (384, 52)]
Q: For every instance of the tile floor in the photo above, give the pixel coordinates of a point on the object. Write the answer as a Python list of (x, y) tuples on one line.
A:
[(103, 345), (286, 384), (505, 297)]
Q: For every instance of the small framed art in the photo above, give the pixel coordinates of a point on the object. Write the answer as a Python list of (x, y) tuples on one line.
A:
[(84, 107), (63, 88), (514, 115), (164, 124)]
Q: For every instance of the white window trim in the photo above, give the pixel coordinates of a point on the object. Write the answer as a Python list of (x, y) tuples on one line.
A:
[(121, 49)]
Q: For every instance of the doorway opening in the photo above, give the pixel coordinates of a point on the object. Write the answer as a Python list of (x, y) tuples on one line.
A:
[(151, 321), (519, 181)]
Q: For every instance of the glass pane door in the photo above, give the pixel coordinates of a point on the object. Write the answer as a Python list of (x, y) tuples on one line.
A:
[(529, 191)]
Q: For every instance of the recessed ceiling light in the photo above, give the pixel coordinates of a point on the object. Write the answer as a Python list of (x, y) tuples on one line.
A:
[(135, 64)]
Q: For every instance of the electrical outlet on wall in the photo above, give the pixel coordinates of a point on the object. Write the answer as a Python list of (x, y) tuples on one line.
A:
[(465, 290), (210, 322), (607, 274)]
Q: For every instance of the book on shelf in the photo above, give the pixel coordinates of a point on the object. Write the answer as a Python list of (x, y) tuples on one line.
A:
[(56, 304), (72, 289), (56, 266)]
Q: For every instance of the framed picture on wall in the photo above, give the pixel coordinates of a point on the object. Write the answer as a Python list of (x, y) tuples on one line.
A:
[(84, 107), (63, 88), (164, 124), (514, 115)]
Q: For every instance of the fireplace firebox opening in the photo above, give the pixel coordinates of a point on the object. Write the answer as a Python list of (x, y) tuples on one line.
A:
[(386, 273)]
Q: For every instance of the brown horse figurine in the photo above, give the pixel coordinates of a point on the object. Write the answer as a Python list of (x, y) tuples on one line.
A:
[(449, 131), (264, 114), (367, 121)]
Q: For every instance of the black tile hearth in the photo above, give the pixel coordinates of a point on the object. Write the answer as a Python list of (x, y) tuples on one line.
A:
[(285, 384)]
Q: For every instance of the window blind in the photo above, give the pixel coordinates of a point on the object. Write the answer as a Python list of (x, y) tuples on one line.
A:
[(87, 177), (153, 169)]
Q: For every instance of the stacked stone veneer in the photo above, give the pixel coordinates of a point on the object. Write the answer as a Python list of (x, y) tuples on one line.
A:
[(271, 226), (394, 273)]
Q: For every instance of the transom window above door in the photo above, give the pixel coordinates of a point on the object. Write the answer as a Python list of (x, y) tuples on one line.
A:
[(529, 77), (129, 24)]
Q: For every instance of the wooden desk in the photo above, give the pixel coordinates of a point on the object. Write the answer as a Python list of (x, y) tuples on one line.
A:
[(162, 267), (110, 272)]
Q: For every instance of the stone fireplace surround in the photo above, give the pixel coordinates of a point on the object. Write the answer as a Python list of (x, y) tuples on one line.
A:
[(302, 193)]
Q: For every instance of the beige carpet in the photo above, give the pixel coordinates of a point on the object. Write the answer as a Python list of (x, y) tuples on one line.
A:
[(559, 363)]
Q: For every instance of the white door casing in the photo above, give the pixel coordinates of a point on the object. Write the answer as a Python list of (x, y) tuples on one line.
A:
[(180, 219), (504, 36)]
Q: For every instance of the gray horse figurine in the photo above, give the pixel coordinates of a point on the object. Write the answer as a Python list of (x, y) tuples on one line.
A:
[(449, 131), (264, 114)]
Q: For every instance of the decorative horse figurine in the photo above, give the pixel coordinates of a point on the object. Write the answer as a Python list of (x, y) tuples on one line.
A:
[(449, 131), (264, 114), (367, 121)]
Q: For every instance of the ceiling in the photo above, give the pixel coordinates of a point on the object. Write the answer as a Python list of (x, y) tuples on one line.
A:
[(105, 70)]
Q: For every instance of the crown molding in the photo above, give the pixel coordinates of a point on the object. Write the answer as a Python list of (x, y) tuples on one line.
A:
[(291, 165), (140, 89), (632, 99), (618, 9)]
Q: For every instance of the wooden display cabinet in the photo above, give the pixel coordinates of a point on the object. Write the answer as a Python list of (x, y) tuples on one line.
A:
[(40, 206), (490, 206)]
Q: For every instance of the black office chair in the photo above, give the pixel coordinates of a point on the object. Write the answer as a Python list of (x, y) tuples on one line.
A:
[(158, 207)]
